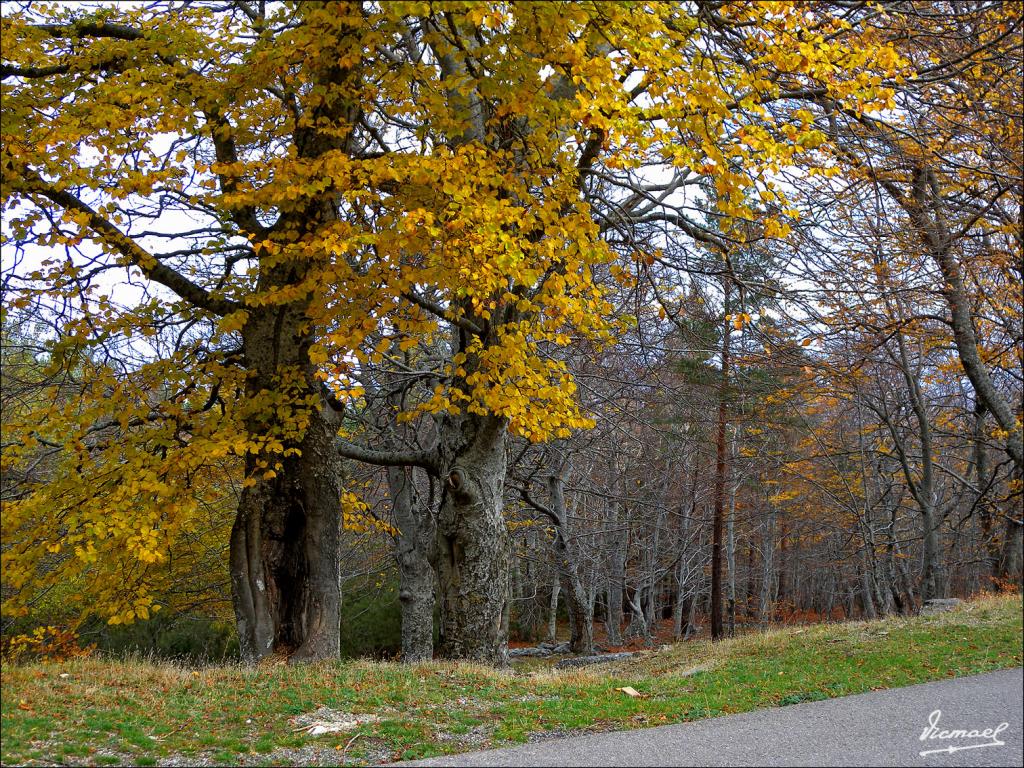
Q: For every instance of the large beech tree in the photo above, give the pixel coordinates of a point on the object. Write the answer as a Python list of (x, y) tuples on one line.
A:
[(281, 194)]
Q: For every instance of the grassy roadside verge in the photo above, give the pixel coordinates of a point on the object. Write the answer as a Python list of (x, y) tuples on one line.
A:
[(99, 712)]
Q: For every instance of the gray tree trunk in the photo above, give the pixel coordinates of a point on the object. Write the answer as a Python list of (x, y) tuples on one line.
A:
[(982, 477), (581, 611), (967, 347), (748, 597), (616, 573), (924, 489), (679, 574), (685, 599), (768, 583), (639, 623), (691, 618), (1009, 567), (556, 587), (525, 588), (678, 606), (573, 619), (866, 591), (415, 553), (473, 543), (730, 561), (284, 551), (782, 584), (284, 556)]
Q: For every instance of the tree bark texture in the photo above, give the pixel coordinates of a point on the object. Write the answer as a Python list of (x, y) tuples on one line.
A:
[(556, 588), (474, 547), (414, 551), (285, 541), (581, 610)]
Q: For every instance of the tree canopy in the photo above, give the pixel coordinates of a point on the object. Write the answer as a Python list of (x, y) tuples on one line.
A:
[(250, 224)]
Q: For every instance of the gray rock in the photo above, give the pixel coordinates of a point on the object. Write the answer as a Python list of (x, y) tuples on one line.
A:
[(562, 647), (539, 650), (585, 661), (940, 605)]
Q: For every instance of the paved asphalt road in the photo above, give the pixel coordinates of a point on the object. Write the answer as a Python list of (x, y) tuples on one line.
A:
[(879, 728)]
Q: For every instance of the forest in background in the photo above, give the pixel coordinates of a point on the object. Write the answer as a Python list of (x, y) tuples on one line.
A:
[(691, 315)]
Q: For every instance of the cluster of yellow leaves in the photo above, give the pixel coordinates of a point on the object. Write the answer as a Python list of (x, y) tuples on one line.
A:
[(739, 320), (44, 643), (139, 609), (355, 517), (518, 525)]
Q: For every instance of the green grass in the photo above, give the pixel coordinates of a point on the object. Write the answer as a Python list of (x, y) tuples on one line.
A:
[(107, 712)]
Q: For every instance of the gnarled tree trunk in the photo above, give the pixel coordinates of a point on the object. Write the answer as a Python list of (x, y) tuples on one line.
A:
[(473, 543), (285, 542), (284, 555)]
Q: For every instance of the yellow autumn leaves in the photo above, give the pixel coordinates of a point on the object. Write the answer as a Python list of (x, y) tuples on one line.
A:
[(491, 229), (356, 517)]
